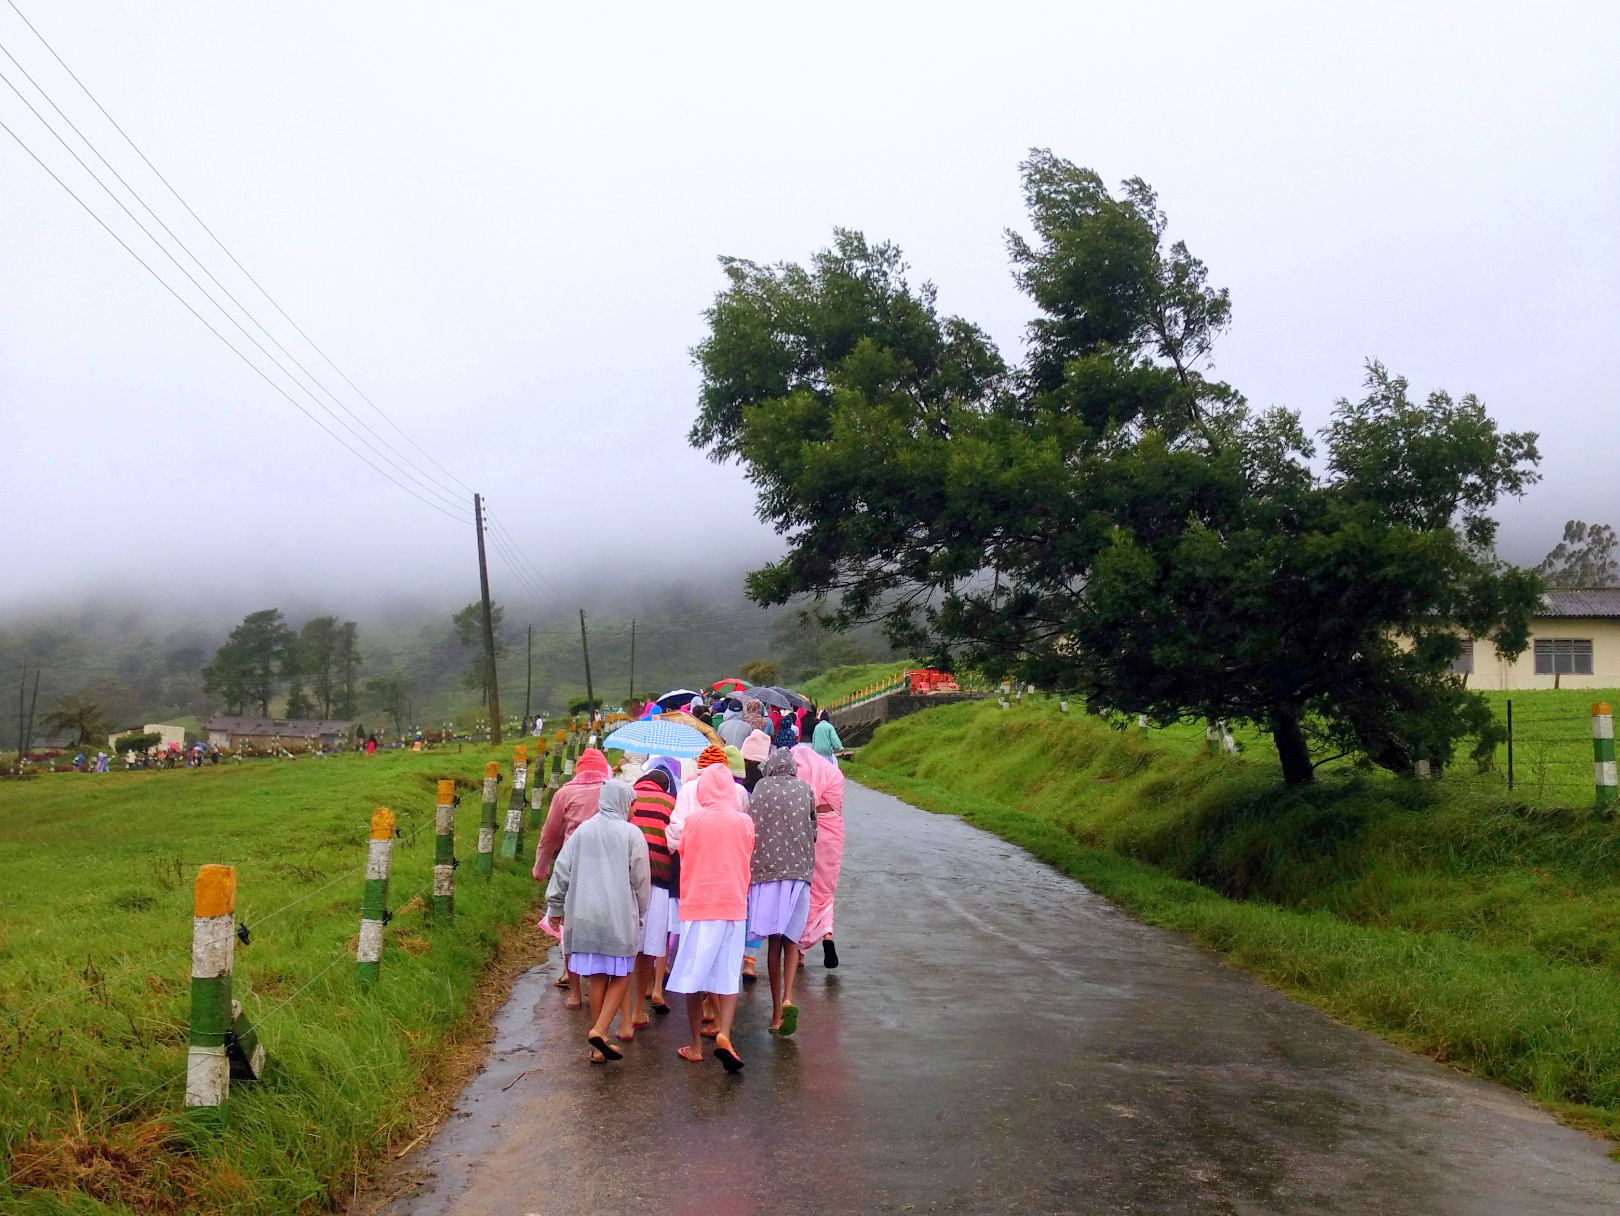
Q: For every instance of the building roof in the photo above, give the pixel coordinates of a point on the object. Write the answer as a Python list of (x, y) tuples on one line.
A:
[(294, 728), (1581, 601)]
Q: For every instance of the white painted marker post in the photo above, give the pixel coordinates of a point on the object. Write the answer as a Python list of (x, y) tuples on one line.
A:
[(1603, 766), (486, 820), (213, 949), (374, 900), (444, 853), (512, 839)]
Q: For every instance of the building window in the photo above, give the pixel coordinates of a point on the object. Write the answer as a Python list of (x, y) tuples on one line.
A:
[(1463, 664), (1564, 656)]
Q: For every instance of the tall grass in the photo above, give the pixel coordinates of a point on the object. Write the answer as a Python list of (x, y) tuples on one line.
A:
[(1480, 929), (95, 930), (838, 682)]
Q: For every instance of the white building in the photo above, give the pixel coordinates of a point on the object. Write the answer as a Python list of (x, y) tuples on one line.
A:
[(1574, 643)]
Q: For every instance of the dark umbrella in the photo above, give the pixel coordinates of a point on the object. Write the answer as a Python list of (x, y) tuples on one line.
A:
[(795, 700), (774, 697), (677, 696)]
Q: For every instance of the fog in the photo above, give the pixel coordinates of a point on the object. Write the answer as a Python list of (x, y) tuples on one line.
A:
[(501, 223)]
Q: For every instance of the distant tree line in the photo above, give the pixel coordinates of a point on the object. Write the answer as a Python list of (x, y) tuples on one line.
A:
[(316, 666)]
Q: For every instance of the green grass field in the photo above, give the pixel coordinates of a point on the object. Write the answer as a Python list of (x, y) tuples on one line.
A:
[(95, 931), (1478, 927)]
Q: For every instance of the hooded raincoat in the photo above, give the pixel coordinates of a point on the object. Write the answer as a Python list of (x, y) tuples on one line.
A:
[(600, 885)]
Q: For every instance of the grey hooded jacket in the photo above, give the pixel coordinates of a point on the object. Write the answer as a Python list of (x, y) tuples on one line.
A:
[(601, 884)]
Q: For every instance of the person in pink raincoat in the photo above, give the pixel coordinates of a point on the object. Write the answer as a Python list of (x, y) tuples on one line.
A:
[(825, 779)]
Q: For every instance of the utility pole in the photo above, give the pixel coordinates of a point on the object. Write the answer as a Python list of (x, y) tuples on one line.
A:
[(22, 693), (590, 697), (632, 695), (32, 705), (528, 683), (489, 626)]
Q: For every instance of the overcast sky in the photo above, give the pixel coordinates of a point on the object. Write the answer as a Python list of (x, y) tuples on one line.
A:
[(501, 222)]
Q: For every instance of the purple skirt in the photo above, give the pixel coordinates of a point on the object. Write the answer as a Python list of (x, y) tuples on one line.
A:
[(779, 907), (600, 964)]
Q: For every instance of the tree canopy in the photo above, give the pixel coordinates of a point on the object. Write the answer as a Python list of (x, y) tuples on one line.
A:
[(1584, 558), (1106, 518)]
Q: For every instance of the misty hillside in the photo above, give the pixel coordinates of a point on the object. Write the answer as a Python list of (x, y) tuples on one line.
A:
[(146, 664)]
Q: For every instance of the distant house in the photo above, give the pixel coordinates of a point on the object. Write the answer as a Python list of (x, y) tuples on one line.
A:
[(168, 735), (1574, 643), (294, 734)]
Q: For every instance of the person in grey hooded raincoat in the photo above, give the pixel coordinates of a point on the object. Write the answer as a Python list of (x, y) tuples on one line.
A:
[(599, 890)]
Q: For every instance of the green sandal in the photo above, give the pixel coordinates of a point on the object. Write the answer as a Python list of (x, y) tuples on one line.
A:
[(790, 1020)]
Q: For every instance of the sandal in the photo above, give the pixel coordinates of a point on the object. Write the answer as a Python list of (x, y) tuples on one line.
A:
[(686, 1047), (607, 1049), (790, 1020), (660, 1007), (729, 1059)]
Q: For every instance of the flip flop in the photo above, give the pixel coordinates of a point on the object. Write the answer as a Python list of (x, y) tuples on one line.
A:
[(749, 977), (660, 1007), (562, 982), (607, 1049), (790, 1020), (708, 1032), (683, 1049), (729, 1059)]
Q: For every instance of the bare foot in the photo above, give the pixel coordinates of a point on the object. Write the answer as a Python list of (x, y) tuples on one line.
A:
[(638, 1023), (686, 1052), (597, 1057), (573, 1003), (627, 1036)]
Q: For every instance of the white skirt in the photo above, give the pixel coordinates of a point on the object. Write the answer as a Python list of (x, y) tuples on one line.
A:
[(709, 958), (655, 930)]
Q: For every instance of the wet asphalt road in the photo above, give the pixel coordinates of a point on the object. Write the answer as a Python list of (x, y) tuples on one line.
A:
[(998, 1039)]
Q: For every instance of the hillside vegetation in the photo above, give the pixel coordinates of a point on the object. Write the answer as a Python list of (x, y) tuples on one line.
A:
[(1475, 926), (839, 682), (95, 935)]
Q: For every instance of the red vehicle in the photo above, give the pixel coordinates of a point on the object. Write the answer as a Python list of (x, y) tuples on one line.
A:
[(926, 680)]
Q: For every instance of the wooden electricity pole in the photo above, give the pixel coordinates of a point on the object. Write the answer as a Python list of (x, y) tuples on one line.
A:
[(590, 696), (489, 626), (528, 683), (632, 695)]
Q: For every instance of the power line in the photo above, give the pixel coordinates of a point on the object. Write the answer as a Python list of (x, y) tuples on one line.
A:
[(402, 465), (223, 248), (257, 370)]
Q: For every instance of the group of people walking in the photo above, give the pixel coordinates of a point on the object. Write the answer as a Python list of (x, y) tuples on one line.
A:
[(668, 877)]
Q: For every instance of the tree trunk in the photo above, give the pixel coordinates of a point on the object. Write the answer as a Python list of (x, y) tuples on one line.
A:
[(1292, 749)]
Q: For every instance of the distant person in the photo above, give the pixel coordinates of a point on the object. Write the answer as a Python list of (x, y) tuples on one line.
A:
[(598, 893), (825, 738), (756, 749), (734, 729), (716, 843), (371, 745)]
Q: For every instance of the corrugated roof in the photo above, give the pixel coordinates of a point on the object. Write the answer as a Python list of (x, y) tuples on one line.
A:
[(1582, 601), (297, 728)]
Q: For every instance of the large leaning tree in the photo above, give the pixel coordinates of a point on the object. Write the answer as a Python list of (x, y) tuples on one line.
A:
[(1106, 518)]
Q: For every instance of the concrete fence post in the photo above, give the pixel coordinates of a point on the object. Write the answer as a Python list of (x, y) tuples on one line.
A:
[(1603, 768), (537, 787), (568, 755), (1212, 741), (512, 841), (1141, 724), (444, 852), (1228, 743), (558, 742), (374, 899), (213, 950), (486, 820)]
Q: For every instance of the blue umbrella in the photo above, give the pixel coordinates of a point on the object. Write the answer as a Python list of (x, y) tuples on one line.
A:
[(655, 737)]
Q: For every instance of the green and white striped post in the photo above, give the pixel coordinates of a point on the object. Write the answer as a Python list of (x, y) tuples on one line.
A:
[(1603, 771), (1141, 724), (569, 754), (512, 841), (1212, 740), (557, 743), (486, 820), (444, 852), (374, 902), (213, 949), (537, 787)]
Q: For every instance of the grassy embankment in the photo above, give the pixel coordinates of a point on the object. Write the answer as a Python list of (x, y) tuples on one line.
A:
[(1474, 926), (95, 932), (838, 682)]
